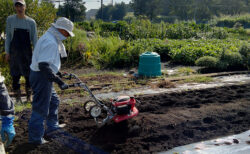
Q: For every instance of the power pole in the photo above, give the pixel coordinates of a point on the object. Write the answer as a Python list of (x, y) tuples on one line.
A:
[(102, 8)]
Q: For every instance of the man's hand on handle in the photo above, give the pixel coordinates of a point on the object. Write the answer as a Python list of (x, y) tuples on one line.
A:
[(62, 85)]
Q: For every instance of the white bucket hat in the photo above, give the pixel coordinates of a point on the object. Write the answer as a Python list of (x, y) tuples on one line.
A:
[(19, 1), (66, 24)]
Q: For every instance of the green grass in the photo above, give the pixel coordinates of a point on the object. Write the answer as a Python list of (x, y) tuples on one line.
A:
[(198, 80), (102, 73), (23, 106), (186, 71)]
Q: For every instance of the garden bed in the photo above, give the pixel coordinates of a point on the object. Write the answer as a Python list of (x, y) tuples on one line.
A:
[(164, 122)]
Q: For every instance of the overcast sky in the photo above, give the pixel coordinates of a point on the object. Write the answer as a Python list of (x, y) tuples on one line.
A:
[(95, 4)]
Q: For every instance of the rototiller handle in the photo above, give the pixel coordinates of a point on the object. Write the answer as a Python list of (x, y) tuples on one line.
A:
[(67, 76), (75, 84)]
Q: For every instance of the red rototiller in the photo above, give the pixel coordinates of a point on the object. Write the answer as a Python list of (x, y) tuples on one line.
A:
[(120, 108)]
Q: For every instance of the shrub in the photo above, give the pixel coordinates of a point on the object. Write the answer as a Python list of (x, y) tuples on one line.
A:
[(76, 47), (222, 65), (240, 30), (107, 53), (230, 21), (244, 50), (234, 59), (207, 61), (229, 59), (189, 54), (180, 31), (248, 62), (123, 28), (245, 53), (5, 71), (163, 50), (84, 25), (108, 26), (219, 34)]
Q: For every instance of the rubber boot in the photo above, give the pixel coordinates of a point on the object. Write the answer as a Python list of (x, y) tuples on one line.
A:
[(28, 94), (18, 96)]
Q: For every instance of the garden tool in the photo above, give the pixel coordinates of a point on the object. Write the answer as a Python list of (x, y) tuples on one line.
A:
[(119, 109)]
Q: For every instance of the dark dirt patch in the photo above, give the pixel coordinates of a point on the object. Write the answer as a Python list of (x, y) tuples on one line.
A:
[(103, 78), (164, 122), (163, 84)]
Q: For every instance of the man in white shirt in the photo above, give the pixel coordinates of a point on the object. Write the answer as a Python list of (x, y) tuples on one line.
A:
[(44, 67)]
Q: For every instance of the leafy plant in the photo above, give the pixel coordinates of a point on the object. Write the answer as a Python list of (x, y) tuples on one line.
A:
[(245, 53), (234, 59), (244, 50), (218, 34), (207, 61)]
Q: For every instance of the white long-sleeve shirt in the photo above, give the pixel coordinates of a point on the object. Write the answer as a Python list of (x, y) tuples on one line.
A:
[(46, 50), (25, 23)]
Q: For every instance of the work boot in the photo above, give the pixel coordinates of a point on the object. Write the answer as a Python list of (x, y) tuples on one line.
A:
[(28, 94), (18, 95)]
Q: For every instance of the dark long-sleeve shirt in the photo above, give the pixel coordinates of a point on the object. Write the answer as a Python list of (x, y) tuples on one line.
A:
[(25, 23)]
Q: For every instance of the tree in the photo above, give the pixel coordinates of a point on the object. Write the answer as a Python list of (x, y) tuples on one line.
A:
[(198, 10), (73, 9), (106, 13), (149, 8), (43, 13), (202, 10), (232, 7), (119, 11), (139, 7), (110, 12)]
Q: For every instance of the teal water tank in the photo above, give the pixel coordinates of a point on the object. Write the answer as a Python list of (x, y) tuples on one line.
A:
[(149, 64)]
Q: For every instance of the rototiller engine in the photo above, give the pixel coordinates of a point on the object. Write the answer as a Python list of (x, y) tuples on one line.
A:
[(120, 108)]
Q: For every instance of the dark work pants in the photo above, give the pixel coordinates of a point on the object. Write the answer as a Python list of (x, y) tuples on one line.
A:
[(16, 82), (44, 107)]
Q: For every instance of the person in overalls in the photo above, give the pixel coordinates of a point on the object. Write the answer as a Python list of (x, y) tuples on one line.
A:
[(7, 114), (21, 34), (45, 66)]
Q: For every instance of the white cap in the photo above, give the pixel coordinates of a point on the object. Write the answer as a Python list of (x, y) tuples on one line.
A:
[(19, 1), (66, 24)]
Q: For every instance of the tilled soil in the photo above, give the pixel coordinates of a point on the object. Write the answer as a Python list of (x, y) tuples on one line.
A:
[(164, 122)]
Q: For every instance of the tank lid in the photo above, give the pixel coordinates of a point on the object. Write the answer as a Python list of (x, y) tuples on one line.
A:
[(149, 54)]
